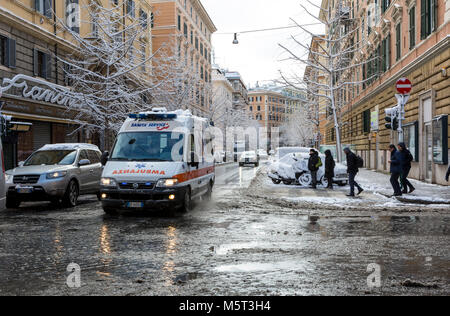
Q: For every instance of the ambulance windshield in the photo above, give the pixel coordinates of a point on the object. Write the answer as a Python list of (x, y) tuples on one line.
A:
[(148, 146)]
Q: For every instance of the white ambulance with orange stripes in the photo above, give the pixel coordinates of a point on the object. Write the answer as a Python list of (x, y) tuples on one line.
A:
[(160, 161)]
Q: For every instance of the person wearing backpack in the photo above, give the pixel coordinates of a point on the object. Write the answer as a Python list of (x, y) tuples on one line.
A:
[(353, 164), (314, 163), (407, 158), (329, 168)]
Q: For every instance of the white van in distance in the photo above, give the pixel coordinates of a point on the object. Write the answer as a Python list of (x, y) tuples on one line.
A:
[(160, 161)]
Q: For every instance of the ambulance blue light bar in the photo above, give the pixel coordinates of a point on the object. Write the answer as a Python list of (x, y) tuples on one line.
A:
[(153, 116)]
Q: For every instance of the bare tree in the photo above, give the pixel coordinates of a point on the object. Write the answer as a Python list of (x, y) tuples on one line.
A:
[(182, 82), (335, 61), (109, 71), (299, 130)]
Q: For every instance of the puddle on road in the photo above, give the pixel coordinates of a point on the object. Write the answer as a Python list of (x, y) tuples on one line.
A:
[(264, 267)]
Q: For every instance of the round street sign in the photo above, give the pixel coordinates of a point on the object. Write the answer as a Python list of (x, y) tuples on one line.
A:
[(404, 86)]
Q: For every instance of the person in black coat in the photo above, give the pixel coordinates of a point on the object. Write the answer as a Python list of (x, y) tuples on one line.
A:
[(329, 168), (352, 170), (407, 158), (396, 169), (448, 174), (313, 166)]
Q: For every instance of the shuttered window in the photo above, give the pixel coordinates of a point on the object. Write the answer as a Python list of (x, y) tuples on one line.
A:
[(7, 52), (428, 17), (412, 28), (44, 7), (42, 64), (398, 42), (131, 9)]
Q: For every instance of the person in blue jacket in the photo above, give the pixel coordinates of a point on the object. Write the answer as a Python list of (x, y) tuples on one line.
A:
[(396, 169)]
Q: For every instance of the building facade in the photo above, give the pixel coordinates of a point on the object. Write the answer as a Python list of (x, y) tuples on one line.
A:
[(272, 107), (183, 28), (31, 44), (407, 38), (240, 93)]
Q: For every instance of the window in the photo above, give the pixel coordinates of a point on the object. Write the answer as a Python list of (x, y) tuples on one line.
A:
[(398, 41), (386, 53), (385, 5), (412, 28), (131, 8), (143, 17), (41, 64), (7, 52), (428, 17), (185, 30), (44, 7), (68, 70)]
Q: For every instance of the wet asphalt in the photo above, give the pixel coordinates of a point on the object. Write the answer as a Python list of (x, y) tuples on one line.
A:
[(241, 243)]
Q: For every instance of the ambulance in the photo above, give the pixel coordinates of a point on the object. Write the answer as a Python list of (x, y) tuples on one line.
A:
[(161, 161)]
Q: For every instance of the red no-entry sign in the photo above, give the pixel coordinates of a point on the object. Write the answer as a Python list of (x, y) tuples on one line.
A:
[(404, 86)]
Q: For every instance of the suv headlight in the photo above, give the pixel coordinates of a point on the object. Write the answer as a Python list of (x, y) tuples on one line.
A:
[(166, 183), (9, 178), (56, 175), (108, 182)]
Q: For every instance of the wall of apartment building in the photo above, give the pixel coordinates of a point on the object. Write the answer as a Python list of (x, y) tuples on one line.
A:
[(427, 65), (175, 31), (33, 35)]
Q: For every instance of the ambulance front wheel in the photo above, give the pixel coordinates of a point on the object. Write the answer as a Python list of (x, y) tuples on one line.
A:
[(187, 203)]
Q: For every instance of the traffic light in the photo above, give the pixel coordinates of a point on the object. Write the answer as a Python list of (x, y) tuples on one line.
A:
[(391, 119)]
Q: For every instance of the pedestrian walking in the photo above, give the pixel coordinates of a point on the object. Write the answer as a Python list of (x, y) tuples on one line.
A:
[(352, 170), (314, 163), (448, 174), (407, 158), (396, 169), (330, 164)]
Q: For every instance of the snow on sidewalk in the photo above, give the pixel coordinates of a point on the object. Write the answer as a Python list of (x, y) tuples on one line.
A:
[(379, 183), (377, 193)]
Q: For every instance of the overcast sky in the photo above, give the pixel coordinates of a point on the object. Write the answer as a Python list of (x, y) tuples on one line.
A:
[(258, 56)]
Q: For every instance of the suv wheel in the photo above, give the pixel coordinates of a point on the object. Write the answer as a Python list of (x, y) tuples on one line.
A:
[(109, 211), (12, 203), (71, 197)]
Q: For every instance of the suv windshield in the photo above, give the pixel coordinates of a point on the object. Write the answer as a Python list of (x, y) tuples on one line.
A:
[(148, 146), (52, 157)]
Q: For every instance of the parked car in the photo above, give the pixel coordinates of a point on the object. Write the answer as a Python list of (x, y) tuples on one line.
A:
[(293, 169), (55, 173), (262, 154), (283, 151), (249, 158)]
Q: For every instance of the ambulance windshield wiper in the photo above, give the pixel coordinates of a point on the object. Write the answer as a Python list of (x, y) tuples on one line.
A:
[(153, 159)]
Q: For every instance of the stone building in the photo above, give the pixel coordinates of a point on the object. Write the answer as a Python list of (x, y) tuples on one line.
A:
[(407, 38)]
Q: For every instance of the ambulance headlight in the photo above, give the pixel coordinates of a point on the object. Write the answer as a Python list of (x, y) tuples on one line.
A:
[(166, 183), (108, 182)]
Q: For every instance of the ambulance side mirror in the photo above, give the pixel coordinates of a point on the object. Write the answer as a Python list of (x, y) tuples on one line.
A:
[(192, 161), (104, 158)]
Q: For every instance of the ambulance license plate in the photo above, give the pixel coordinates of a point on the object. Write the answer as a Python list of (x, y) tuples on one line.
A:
[(135, 205)]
